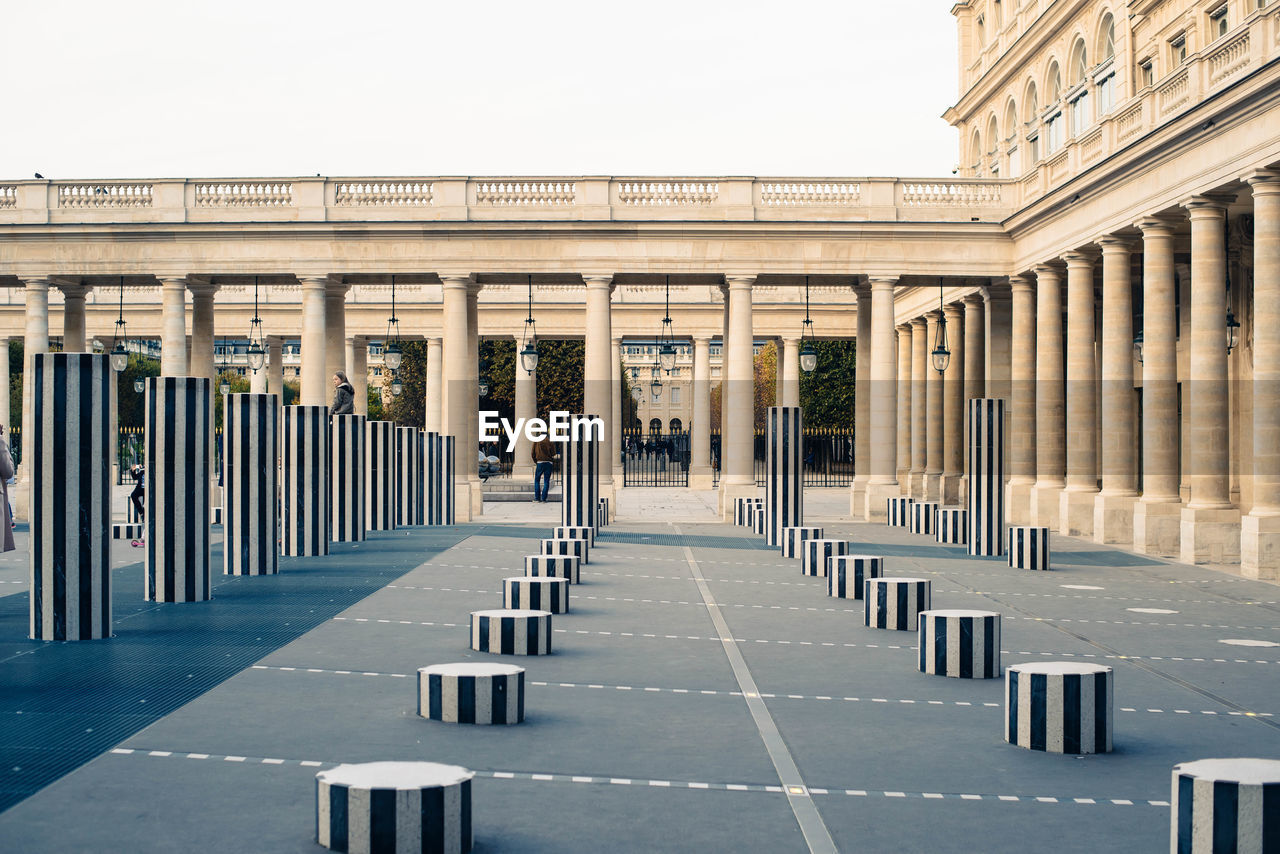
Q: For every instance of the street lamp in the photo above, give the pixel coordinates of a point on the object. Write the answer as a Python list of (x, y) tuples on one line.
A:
[(1137, 346), (256, 352), (666, 341), (139, 385), (396, 386), (655, 385), (1233, 331), (119, 355), (529, 350), (392, 355), (225, 388), (941, 356), (808, 353)]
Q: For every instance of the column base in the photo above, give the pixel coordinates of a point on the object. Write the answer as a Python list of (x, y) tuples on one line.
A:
[(606, 490), (1017, 502), (1157, 528), (730, 491), (20, 492), (952, 489), (933, 486), (1075, 512), (876, 508), (1210, 535), (1113, 518), (1046, 502), (858, 496), (462, 502), (1260, 547), (477, 498), (915, 485), (701, 477)]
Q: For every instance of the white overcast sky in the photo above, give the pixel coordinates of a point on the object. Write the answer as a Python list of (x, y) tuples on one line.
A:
[(178, 88)]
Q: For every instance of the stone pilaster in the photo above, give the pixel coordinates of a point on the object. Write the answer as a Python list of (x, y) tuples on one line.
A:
[(315, 383), (737, 477), (904, 404), (934, 439), (601, 375), (435, 385), (919, 407), (358, 372), (73, 338), (173, 333), (526, 408), (700, 452), (861, 403), (459, 365), (1021, 397)]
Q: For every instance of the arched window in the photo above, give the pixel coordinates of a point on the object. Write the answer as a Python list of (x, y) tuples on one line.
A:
[(1106, 38), (676, 425), (1053, 84), (655, 426), (1080, 115), (1079, 62), (975, 154), (993, 145), (980, 33), (1053, 121), (1106, 52), (1031, 121), (1011, 139)]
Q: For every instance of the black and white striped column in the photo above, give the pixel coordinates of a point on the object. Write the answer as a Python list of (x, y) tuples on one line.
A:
[(1028, 547), (346, 473), (567, 567), (472, 692), (759, 520), (438, 474), (304, 466), (580, 459), (215, 515), (70, 457), (784, 471), (986, 476), (580, 532), (846, 574), (389, 807), (537, 594), (923, 514), (602, 513), (952, 526), (1059, 706), (581, 548), (814, 554), (250, 484), (964, 644), (744, 510), (178, 422), (380, 475), (1225, 805), (792, 539), (895, 603), (511, 632), (408, 477), (126, 531), (899, 513)]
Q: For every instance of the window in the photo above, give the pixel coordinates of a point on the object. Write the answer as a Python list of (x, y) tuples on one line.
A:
[(996, 17), (1079, 62), (1146, 73), (655, 425), (1106, 94), (1054, 84), (981, 32), (1033, 147), (1052, 133), (675, 395), (1178, 48), (1079, 113), (1107, 38), (1218, 21)]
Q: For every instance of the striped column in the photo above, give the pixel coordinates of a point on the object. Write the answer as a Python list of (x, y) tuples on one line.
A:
[(568, 547), (380, 475), (784, 471), (952, 525), (346, 474), (985, 500), (964, 644), (388, 807), (69, 452), (1059, 706), (792, 539), (538, 594), (438, 474), (583, 532), (304, 466), (178, 421), (846, 574), (472, 692), (899, 512), (511, 632), (760, 520), (602, 513), (815, 553), (250, 484), (923, 516), (895, 603), (1225, 805), (553, 566), (744, 510), (1029, 547), (126, 531), (408, 477), (580, 462)]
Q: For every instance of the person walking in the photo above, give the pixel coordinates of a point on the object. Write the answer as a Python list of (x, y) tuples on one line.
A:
[(6, 514), (139, 494), (344, 396), (544, 457)]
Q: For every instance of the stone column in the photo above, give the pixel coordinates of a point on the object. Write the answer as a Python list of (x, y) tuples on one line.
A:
[(1050, 425), (600, 374), (975, 370), (35, 340), (73, 340), (1075, 510), (726, 428), (1021, 397), (202, 333), (1113, 507), (358, 372), (904, 404), (275, 368), (315, 382), (779, 371), (700, 452), (5, 384), (934, 422), (471, 440), (998, 355), (884, 402), (613, 467), (459, 365), (435, 385), (919, 406), (1260, 530), (1210, 524), (861, 403), (258, 381), (953, 384), (737, 477), (173, 333), (335, 332), (526, 407), (790, 363)]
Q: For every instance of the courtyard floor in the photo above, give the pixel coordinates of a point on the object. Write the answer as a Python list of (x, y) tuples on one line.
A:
[(697, 673)]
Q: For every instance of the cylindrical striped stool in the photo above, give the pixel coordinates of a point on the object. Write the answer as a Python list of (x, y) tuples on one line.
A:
[(305, 474), (986, 477), (1225, 805), (346, 476), (567, 547), (602, 513), (408, 477), (783, 471), (511, 631), (953, 525), (1059, 706), (759, 520), (1028, 547), (536, 593), (380, 475), (472, 692), (389, 807), (793, 537), (899, 515), (964, 644), (895, 603), (846, 574), (580, 464), (438, 473), (923, 514), (815, 553), (575, 532), (744, 510), (250, 480), (126, 532), (552, 566)]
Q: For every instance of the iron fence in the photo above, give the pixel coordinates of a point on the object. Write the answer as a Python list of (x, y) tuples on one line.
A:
[(828, 456), (655, 459)]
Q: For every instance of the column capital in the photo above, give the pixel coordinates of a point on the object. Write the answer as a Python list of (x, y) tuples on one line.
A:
[(72, 290), (596, 280), (335, 286), (790, 341), (1047, 271), (172, 281), (882, 282), (457, 279), (1264, 181), (861, 288), (918, 322), (954, 310), (1079, 258), (1158, 226), (976, 300), (34, 282), (1208, 205), (739, 281), (703, 339), (1115, 244)]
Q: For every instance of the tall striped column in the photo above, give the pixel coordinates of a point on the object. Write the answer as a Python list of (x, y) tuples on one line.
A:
[(986, 476), (69, 452), (408, 477), (346, 476), (784, 472), (438, 474), (380, 475), (250, 484), (178, 421), (304, 464), (580, 462)]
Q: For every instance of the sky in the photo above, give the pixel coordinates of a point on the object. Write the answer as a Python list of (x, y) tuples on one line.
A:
[(228, 88)]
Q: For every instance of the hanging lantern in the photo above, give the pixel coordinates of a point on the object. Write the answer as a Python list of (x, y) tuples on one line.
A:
[(666, 340), (1137, 346), (256, 353), (941, 356), (529, 352), (119, 353), (139, 385), (808, 353), (396, 386), (392, 355)]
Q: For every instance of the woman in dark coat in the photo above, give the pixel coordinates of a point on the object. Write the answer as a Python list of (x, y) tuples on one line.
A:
[(344, 395), (6, 516)]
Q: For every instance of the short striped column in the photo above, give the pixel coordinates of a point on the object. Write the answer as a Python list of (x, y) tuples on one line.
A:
[(964, 644), (784, 471), (816, 552), (567, 547), (304, 467), (602, 513), (408, 477), (511, 631), (759, 520), (536, 594), (1225, 805), (179, 418), (899, 513), (126, 531), (346, 473), (380, 475), (1028, 547), (471, 692), (952, 526), (438, 474), (580, 460), (744, 510), (792, 538), (389, 807), (895, 603), (575, 532), (923, 515), (553, 566), (986, 477), (250, 484), (70, 458), (1059, 706), (846, 574)]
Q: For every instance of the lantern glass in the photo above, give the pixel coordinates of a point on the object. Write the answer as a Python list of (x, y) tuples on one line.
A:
[(1233, 331), (667, 356), (484, 388), (257, 357), (808, 358), (139, 386), (529, 358), (119, 358), (637, 392), (941, 358), (225, 388), (396, 387), (1137, 346), (392, 356)]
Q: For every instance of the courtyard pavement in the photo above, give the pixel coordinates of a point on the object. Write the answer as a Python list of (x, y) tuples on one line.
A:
[(696, 667)]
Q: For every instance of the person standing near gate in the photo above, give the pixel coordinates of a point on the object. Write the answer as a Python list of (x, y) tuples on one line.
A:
[(544, 457)]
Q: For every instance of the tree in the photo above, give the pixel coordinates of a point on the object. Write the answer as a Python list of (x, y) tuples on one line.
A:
[(498, 368), (239, 385), (827, 392), (130, 407), (560, 376), (766, 383), (409, 409)]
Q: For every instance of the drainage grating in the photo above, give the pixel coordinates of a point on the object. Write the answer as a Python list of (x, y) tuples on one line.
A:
[(611, 535)]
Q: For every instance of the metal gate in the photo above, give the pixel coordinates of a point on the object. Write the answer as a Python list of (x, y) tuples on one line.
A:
[(828, 456), (655, 459)]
